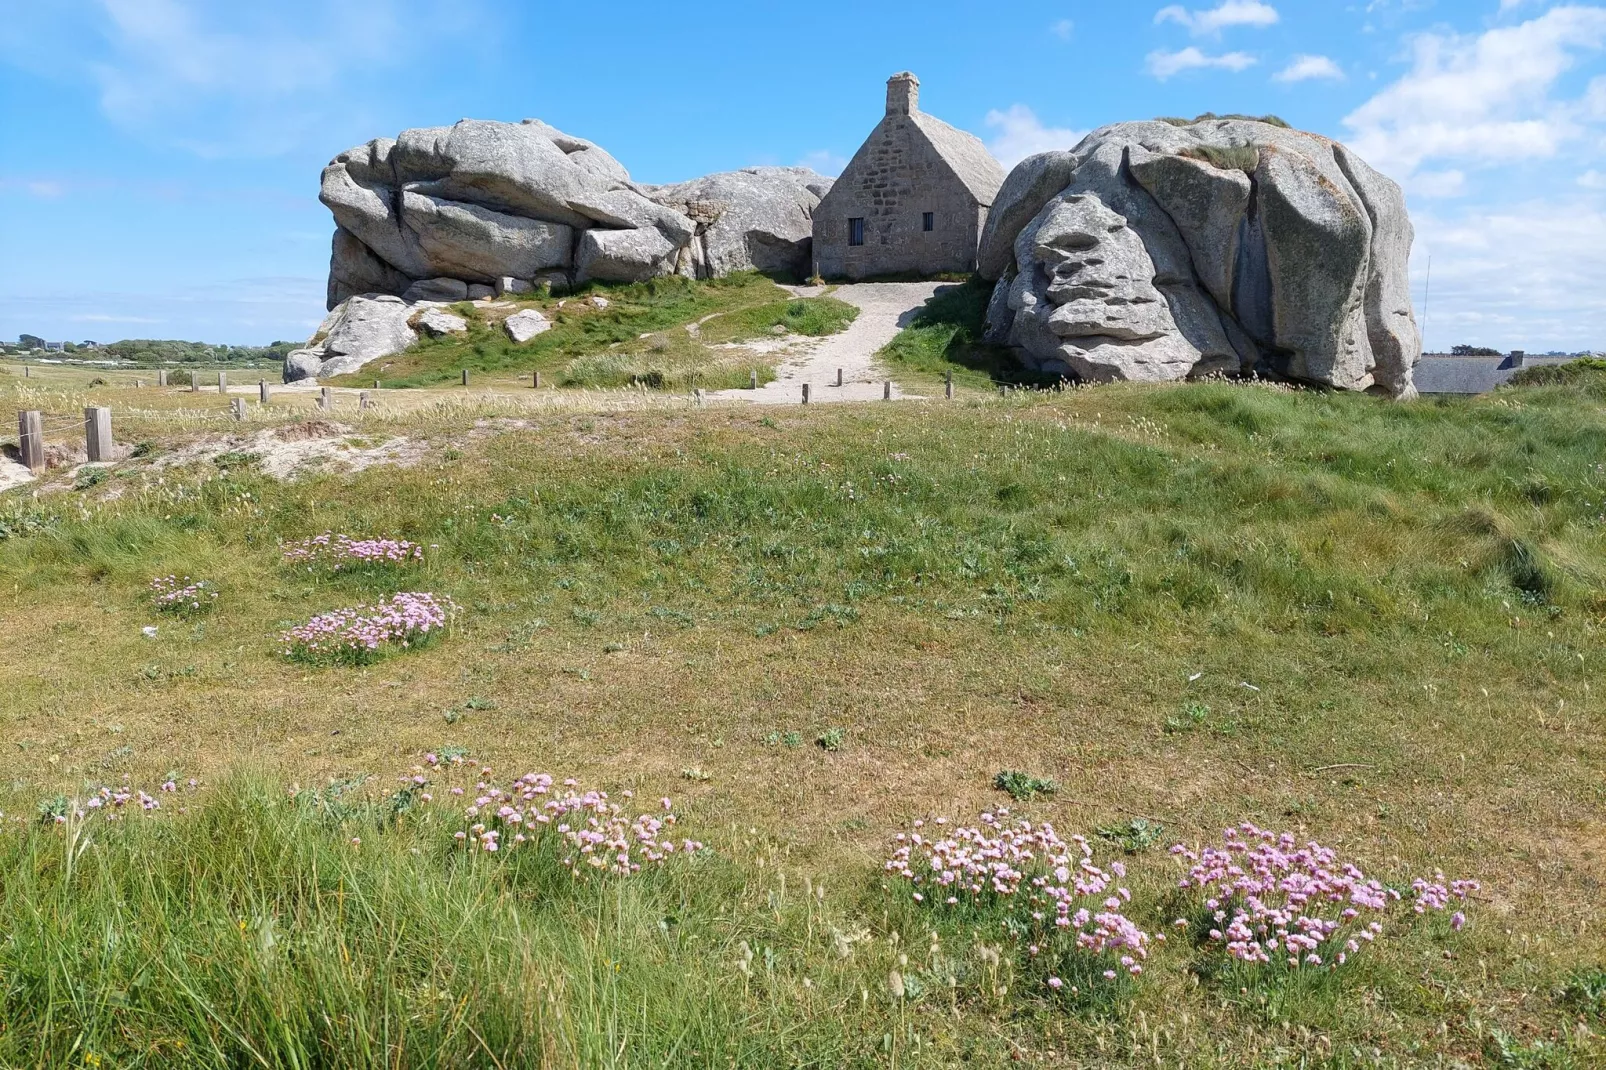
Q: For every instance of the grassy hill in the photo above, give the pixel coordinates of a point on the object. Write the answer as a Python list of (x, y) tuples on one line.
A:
[(638, 338), (1374, 625)]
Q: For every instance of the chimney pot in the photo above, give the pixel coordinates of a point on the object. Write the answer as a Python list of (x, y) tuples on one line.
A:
[(903, 94)]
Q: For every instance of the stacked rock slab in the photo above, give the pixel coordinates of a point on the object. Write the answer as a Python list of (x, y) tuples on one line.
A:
[(446, 214), (481, 202), (1159, 251)]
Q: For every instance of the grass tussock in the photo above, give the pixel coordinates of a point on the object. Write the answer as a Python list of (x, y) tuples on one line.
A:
[(1245, 158), (1210, 116)]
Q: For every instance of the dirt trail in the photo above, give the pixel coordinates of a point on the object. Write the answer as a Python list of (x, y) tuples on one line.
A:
[(885, 308)]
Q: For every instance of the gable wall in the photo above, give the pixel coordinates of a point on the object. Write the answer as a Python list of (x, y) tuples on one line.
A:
[(895, 177)]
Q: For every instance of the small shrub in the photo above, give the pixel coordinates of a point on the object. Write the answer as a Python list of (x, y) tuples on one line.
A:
[(1023, 786), (832, 738), (91, 477), (1585, 993), (1133, 837)]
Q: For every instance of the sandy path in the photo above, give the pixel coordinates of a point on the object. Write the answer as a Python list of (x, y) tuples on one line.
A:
[(885, 308)]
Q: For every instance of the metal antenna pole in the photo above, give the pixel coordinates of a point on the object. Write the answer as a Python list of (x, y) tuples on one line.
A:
[(1427, 290)]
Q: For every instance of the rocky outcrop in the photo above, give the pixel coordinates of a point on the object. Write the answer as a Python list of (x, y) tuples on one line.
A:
[(361, 329), (502, 204), (759, 218), (1158, 251)]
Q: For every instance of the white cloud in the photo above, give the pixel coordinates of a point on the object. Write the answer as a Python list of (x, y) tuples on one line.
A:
[(1020, 133), (1163, 65), (1592, 179), (1486, 99), (46, 189), (1063, 29), (1216, 19), (1523, 275), (102, 317), (1303, 68), (824, 161), (227, 79), (1451, 183)]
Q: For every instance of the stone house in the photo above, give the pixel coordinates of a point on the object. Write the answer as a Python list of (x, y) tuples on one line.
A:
[(913, 200)]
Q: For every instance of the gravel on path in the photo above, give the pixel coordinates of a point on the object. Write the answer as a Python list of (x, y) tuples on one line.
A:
[(885, 308)]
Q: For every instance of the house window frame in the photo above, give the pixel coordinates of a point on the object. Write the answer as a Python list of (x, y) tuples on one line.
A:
[(928, 222), (855, 230)]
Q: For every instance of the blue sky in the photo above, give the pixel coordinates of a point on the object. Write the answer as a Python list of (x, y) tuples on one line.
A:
[(161, 169)]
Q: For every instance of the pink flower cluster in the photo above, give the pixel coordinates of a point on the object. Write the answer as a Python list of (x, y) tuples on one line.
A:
[(1031, 865), (596, 833), (1268, 896), (358, 632), (174, 595), (113, 803), (338, 551)]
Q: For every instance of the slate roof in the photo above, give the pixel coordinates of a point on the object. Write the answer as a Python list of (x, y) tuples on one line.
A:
[(1470, 375), (965, 154)]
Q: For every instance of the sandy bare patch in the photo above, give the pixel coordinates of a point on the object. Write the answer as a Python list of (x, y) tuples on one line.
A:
[(284, 452), (13, 473)]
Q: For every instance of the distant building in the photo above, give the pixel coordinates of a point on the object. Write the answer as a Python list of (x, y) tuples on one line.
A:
[(55, 347), (1438, 373), (913, 199)]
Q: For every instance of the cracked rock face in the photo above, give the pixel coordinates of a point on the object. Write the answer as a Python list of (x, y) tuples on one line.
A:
[(482, 202), (1158, 252)]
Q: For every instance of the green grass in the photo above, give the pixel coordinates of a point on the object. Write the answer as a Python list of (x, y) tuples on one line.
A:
[(813, 316), (1375, 624), (946, 336), (589, 347)]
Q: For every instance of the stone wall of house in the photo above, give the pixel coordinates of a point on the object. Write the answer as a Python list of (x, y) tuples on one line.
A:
[(894, 179)]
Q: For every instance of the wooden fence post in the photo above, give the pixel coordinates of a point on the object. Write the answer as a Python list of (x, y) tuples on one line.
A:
[(362, 399), (537, 380), (949, 387), (262, 391), (465, 376), (161, 377), (886, 390), (326, 399), (805, 393), (195, 381), (839, 377), (237, 407), (98, 433), (31, 439), (752, 379), (376, 384), (222, 382)]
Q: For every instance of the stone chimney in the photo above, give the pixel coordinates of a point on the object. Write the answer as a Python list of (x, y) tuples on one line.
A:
[(1518, 358), (903, 94)]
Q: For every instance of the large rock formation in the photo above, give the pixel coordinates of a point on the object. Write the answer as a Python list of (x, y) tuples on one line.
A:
[(1158, 251), (480, 202), (446, 214), (760, 218)]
